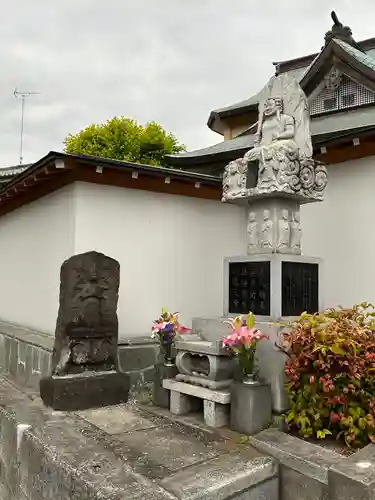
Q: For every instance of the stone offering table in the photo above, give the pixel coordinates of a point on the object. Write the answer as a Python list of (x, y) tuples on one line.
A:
[(205, 374), (204, 363), (186, 398)]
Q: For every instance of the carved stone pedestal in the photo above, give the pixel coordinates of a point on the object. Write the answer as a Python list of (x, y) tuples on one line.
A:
[(273, 225), (85, 390)]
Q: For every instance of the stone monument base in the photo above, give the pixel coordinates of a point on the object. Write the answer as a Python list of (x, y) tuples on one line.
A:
[(273, 286), (85, 390)]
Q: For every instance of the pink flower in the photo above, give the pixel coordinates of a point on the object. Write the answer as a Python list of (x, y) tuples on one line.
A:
[(370, 356), (244, 336), (158, 326), (180, 329)]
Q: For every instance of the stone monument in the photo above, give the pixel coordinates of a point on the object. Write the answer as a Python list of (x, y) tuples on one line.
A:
[(286, 177), (272, 180), (274, 280), (84, 361)]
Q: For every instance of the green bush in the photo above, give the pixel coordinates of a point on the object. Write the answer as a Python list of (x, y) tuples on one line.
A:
[(331, 374)]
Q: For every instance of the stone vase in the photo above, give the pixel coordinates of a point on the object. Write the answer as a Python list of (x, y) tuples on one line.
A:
[(167, 351), (165, 368), (245, 367), (251, 407), (161, 396)]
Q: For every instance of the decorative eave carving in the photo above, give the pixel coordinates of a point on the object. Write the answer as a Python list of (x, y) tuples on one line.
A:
[(341, 32)]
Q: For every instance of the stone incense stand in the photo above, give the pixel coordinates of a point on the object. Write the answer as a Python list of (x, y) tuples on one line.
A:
[(84, 364)]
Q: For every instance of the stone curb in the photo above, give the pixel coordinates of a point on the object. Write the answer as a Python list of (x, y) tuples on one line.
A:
[(309, 471), (309, 459)]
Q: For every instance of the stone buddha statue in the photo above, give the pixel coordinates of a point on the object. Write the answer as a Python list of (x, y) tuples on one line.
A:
[(281, 160), (274, 145), (283, 136)]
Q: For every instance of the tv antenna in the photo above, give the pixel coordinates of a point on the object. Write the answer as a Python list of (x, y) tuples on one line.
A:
[(23, 96)]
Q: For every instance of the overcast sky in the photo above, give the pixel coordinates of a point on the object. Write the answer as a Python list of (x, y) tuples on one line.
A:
[(171, 61)]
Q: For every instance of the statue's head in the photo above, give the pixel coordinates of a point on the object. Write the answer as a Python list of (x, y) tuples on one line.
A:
[(272, 106), (252, 216)]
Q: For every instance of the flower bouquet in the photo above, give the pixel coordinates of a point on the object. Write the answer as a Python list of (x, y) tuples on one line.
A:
[(165, 329), (242, 343)]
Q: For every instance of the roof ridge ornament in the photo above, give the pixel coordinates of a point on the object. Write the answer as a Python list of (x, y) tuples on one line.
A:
[(341, 32)]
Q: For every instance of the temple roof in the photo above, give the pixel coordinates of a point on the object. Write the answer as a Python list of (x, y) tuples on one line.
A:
[(323, 130), (356, 60), (362, 51), (7, 173)]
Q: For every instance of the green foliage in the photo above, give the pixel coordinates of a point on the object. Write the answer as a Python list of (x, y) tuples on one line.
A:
[(123, 139), (330, 371)]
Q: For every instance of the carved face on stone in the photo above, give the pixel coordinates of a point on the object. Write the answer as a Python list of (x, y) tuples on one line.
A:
[(89, 296), (266, 214), (284, 214), (271, 106), (252, 217)]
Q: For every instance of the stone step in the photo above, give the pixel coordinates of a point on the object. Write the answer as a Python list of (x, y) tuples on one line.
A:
[(120, 453)]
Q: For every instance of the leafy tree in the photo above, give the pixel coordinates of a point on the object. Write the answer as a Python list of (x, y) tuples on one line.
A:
[(124, 139)]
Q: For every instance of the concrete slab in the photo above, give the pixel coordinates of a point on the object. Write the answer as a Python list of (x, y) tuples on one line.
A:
[(169, 448), (120, 452), (117, 419), (354, 477), (223, 478)]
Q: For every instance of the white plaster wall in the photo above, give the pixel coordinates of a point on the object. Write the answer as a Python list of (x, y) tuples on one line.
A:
[(34, 241), (341, 230), (170, 248)]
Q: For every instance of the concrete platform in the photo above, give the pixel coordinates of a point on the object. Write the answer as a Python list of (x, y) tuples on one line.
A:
[(120, 452)]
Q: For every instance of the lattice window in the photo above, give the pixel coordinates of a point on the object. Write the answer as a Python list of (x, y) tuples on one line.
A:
[(347, 95)]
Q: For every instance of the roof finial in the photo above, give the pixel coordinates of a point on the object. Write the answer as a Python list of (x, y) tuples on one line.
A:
[(340, 32), (335, 20)]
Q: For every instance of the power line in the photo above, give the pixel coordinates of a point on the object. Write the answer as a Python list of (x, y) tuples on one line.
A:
[(23, 96)]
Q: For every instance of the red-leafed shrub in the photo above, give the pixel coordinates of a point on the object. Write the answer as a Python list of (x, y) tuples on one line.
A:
[(331, 374)]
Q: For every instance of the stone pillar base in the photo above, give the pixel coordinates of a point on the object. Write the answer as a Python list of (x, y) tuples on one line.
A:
[(85, 390)]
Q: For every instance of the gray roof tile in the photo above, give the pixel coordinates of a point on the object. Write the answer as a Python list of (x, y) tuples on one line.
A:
[(329, 124), (365, 59), (299, 73), (239, 143)]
